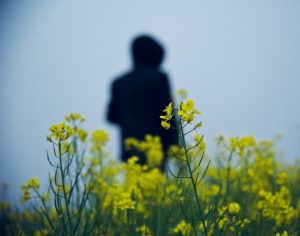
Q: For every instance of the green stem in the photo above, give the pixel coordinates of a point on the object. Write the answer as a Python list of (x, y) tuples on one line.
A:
[(64, 186), (192, 177), (228, 173)]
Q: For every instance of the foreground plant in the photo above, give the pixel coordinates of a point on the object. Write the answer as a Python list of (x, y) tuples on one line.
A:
[(244, 190)]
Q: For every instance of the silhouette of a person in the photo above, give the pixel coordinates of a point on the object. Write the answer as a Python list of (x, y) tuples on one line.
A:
[(139, 96)]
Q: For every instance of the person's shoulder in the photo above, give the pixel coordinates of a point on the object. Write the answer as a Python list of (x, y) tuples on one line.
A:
[(157, 73), (162, 76), (121, 78)]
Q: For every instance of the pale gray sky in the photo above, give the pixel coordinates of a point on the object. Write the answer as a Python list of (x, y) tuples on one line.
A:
[(239, 60)]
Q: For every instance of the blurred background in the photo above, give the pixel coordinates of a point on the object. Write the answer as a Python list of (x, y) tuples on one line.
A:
[(239, 61)]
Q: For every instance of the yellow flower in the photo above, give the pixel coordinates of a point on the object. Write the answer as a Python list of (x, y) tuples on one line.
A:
[(151, 147), (250, 173), (284, 233), (281, 178), (165, 123), (82, 134), (213, 190), (222, 223), (198, 125), (187, 111), (277, 206), (125, 202), (244, 223), (75, 117), (182, 227), (26, 194), (60, 132), (182, 93), (234, 208), (42, 232), (168, 110), (95, 161), (176, 151), (233, 143), (33, 183), (144, 230), (100, 136), (201, 225)]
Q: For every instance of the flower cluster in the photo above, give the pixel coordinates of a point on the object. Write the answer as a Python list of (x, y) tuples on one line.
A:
[(32, 183), (234, 208), (183, 228), (166, 118), (144, 231), (98, 139), (151, 147), (243, 190), (277, 206), (125, 202), (73, 117), (60, 132), (187, 111)]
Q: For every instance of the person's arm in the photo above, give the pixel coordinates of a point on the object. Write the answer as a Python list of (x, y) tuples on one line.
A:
[(112, 114)]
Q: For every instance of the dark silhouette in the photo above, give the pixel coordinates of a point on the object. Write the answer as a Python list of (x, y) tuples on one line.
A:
[(139, 96)]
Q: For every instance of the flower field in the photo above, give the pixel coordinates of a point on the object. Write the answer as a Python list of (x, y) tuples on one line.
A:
[(241, 190)]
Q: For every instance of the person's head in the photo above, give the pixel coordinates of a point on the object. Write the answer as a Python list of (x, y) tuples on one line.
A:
[(146, 50)]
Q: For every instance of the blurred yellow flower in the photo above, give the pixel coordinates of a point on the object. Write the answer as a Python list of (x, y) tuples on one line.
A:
[(281, 178), (234, 208), (60, 132), (183, 228)]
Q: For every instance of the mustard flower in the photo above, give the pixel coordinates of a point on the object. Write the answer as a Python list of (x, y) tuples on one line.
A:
[(100, 136), (144, 230), (244, 222), (99, 139), (82, 134), (75, 117), (281, 178), (60, 132), (33, 183), (125, 202), (198, 125), (277, 206), (222, 223), (165, 123), (201, 225), (213, 190), (234, 208), (183, 227), (182, 93), (42, 232), (176, 151), (26, 193), (187, 111), (151, 147), (284, 233), (201, 143)]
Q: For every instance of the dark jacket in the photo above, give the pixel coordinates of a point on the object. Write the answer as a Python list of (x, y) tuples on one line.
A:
[(137, 101)]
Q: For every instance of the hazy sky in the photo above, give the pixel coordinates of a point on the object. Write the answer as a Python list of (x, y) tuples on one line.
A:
[(239, 60)]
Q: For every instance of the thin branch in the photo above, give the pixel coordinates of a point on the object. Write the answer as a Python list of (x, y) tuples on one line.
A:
[(177, 176), (205, 171)]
